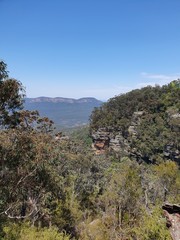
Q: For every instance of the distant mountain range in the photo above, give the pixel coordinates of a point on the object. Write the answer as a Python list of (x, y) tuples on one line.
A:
[(65, 112)]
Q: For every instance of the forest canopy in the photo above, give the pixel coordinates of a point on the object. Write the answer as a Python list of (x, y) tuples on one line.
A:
[(59, 189), (148, 119)]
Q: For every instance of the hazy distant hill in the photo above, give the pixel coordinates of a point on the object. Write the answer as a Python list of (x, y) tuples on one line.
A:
[(65, 112)]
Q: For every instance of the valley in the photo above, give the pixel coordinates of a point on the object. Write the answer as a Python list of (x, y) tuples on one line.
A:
[(65, 112)]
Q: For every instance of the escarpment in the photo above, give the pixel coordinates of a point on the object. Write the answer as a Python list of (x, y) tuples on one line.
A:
[(142, 124), (109, 138)]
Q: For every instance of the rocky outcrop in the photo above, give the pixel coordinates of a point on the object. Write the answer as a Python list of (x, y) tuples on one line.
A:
[(113, 139), (109, 138), (135, 121), (101, 140), (172, 214), (169, 152)]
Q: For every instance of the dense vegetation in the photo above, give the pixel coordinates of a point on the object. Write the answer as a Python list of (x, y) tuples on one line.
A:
[(58, 189), (118, 111), (158, 129)]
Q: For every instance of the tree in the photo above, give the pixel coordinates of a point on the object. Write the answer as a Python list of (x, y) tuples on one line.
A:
[(152, 226), (122, 199), (11, 98), (168, 181), (26, 155), (3, 71)]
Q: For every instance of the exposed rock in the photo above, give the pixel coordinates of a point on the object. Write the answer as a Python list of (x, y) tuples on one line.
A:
[(119, 143), (109, 138), (177, 115), (171, 153), (132, 131), (136, 118), (136, 121), (100, 141), (172, 214)]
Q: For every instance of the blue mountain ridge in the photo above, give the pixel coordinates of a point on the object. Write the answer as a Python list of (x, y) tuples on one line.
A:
[(65, 112)]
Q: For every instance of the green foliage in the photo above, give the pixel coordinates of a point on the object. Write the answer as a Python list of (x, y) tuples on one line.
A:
[(28, 176), (159, 126), (27, 232), (122, 198), (82, 135), (168, 179), (50, 187), (11, 98), (3, 71), (152, 226)]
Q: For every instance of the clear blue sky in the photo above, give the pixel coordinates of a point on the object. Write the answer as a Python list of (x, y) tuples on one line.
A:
[(98, 48)]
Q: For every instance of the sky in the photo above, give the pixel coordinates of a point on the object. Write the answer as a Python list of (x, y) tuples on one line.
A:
[(90, 48)]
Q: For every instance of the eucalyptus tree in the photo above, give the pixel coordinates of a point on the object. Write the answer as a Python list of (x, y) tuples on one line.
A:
[(11, 98)]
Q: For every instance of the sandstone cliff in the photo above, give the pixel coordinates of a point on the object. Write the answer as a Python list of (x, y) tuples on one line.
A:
[(109, 138)]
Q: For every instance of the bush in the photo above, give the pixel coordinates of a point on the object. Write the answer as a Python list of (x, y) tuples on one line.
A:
[(27, 232)]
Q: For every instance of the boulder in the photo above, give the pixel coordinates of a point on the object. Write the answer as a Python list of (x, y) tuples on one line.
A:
[(172, 214)]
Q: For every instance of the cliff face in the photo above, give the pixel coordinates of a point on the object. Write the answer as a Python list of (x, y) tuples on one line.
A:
[(143, 124), (110, 139), (107, 139), (172, 214)]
